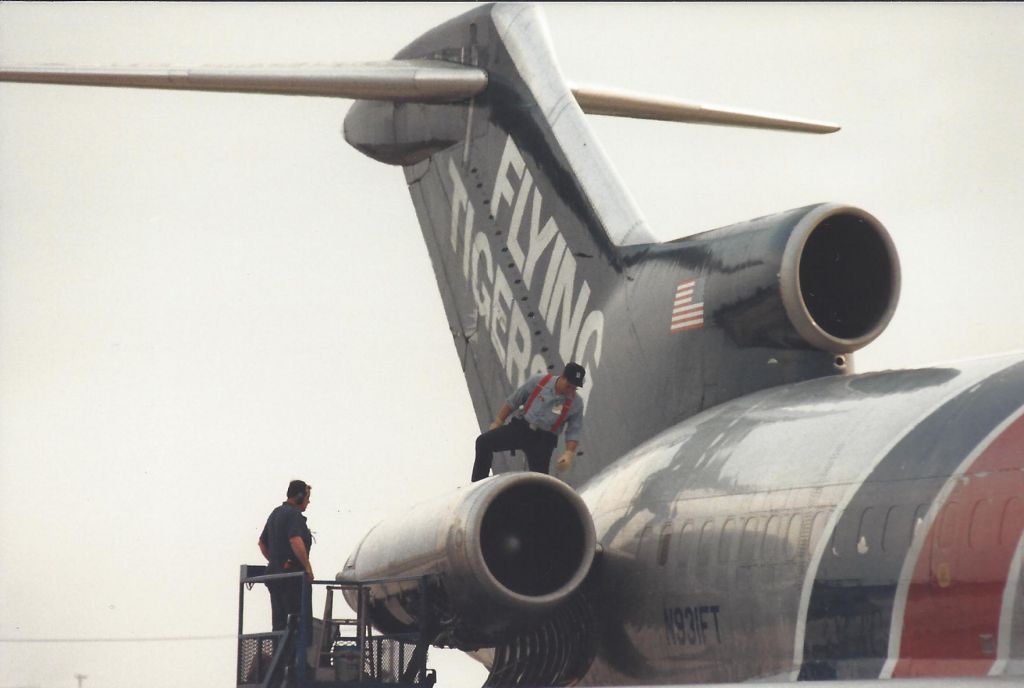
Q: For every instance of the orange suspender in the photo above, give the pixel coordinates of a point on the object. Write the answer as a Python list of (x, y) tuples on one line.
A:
[(536, 392), (565, 412)]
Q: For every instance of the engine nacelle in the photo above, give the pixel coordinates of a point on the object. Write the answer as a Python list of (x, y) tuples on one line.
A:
[(503, 552), (823, 277)]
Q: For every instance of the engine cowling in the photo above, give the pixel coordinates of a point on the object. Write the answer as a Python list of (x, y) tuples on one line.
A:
[(839, 278), (501, 553), (823, 277)]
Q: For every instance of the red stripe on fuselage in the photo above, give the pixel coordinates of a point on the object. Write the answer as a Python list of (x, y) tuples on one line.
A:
[(951, 620)]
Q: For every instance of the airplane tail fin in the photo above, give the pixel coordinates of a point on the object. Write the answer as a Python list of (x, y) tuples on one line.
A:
[(521, 212)]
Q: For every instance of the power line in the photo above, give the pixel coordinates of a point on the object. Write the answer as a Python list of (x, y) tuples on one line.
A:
[(161, 639)]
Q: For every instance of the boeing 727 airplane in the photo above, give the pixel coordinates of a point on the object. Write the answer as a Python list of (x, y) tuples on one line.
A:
[(745, 506)]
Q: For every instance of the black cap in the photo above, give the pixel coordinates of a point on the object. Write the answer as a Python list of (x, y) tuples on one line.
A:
[(297, 488), (574, 374)]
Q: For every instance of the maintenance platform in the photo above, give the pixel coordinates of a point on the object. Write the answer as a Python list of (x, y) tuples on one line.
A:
[(343, 652)]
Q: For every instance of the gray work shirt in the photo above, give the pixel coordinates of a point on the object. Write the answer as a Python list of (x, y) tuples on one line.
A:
[(547, 407)]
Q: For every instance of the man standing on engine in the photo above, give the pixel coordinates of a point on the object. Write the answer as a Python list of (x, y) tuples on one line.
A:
[(544, 406)]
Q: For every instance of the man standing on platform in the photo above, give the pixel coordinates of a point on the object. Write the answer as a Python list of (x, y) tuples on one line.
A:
[(285, 542)]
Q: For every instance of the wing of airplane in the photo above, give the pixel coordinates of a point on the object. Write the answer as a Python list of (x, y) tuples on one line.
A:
[(744, 508)]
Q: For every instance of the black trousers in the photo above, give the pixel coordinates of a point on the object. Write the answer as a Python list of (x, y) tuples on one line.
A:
[(286, 598), (536, 444)]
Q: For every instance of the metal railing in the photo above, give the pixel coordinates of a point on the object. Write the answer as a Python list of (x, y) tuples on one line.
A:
[(332, 651)]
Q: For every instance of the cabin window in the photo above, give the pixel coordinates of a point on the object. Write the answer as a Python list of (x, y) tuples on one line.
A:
[(1012, 522), (834, 543), (749, 540), (771, 544), (863, 543), (664, 542), (981, 533), (726, 543), (890, 531), (686, 543), (817, 528), (707, 539), (644, 534)]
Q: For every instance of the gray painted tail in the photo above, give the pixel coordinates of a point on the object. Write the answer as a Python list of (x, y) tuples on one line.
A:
[(520, 210)]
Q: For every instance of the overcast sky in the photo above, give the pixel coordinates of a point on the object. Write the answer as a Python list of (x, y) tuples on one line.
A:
[(203, 296)]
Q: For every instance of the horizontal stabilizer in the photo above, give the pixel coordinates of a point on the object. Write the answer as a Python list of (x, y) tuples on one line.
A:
[(397, 80), (412, 80), (596, 100)]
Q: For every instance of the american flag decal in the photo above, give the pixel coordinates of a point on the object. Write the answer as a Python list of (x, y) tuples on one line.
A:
[(686, 315)]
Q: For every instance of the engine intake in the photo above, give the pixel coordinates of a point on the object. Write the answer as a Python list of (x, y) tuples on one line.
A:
[(503, 551), (532, 540), (840, 278)]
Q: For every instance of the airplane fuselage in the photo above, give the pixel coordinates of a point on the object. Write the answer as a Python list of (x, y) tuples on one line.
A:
[(851, 528)]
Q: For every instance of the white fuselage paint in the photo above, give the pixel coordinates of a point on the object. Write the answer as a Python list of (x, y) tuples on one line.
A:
[(564, 310), (1010, 592)]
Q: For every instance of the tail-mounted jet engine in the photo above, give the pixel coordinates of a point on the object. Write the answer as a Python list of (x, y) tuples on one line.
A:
[(823, 277), (504, 553)]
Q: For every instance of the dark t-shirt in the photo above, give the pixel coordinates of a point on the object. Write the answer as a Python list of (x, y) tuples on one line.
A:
[(284, 523)]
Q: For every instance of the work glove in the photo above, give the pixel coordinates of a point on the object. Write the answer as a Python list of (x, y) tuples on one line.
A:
[(564, 462)]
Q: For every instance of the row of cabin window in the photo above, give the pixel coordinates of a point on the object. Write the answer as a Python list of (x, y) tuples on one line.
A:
[(988, 525)]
